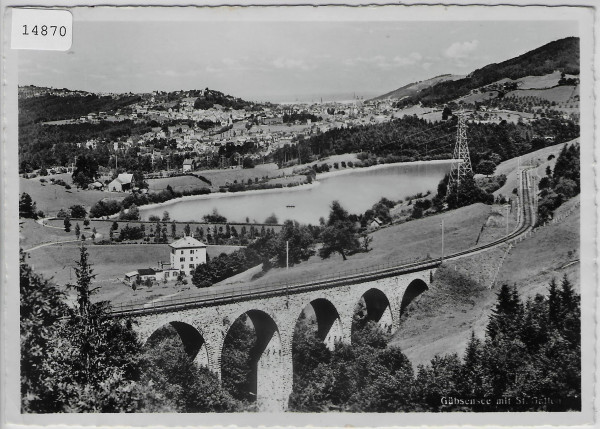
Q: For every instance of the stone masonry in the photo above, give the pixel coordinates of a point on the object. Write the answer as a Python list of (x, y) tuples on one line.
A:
[(204, 329)]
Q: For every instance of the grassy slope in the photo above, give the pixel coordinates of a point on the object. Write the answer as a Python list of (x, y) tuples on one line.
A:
[(406, 242), (559, 94), (415, 87), (180, 183), (110, 265), (51, 198), (538, 158), (441, 320), (226, 177)]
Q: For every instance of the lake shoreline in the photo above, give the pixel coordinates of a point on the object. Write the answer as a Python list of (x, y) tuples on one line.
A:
[(351, 170), (315, 183)]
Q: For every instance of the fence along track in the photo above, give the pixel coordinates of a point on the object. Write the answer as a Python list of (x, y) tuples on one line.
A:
[(343, 278)]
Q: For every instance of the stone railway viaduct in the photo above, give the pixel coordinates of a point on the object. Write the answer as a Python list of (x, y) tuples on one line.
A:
[(203, 323), (203, 330)]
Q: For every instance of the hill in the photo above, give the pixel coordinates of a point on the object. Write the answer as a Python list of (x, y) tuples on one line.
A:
[(53, 106), (415, 87), (560, 55)]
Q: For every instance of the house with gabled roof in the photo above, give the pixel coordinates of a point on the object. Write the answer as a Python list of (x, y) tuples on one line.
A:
[(186, 254), (123, 183)]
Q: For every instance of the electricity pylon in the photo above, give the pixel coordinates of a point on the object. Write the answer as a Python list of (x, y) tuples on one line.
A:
[(461, 167)]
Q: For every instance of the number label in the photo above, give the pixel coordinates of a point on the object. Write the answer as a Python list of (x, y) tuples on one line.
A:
[(42, 29)]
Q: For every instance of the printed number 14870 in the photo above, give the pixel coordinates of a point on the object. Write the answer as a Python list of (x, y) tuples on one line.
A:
[(45, 30)]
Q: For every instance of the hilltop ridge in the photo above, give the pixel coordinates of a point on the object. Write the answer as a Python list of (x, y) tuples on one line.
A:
[(560, 55)]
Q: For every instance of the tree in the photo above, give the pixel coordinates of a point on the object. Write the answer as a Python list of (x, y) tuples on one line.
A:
[(173, 229), (78, 211), (507, 307), (339, 235), (366, 243), (467, 193), (166, 217), (133, 213), (294, 243), (186, 386), (77, 360), (237, 360), (446, 113), (187, 230), (86, 169), (27, 208), (138, 180), (486, 167), (77, 230), (272, 219), (247, 163), (214, 217), (42, 308), (554, 303), (67, 224)]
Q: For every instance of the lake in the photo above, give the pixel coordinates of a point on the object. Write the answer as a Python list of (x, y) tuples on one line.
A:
[(356, 190)]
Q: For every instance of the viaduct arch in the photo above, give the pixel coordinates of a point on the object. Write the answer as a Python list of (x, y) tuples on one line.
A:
[(203, 329)]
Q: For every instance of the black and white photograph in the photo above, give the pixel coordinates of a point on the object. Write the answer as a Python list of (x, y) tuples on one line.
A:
[(299, 211)]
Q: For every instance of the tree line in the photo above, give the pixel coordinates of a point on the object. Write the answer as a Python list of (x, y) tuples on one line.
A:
[(411, 138), (559, 185)]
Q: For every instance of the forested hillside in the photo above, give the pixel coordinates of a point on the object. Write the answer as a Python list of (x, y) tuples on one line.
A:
[(50, 107), (411, 138), (562, 55)]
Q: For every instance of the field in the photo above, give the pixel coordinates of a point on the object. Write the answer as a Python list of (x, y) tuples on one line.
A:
[(51, 198), (226, 177), (33, 234), (110, 265), (538, 82), (180, 183), (478, 97), (559, 94)]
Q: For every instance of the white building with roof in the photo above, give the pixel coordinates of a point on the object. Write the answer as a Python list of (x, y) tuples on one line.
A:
[(122, 183), (186, 254)]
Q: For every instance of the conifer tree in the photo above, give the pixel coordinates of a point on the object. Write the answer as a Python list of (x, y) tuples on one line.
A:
[(567, 295), (472, 373), (553, 303)]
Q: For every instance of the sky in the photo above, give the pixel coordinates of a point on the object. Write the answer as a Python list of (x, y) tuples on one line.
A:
[(279, 61)]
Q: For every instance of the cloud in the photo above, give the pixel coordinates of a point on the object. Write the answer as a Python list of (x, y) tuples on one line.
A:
[(382, 62), (459, 50), (290, 63), (410, 60), (176, 73)]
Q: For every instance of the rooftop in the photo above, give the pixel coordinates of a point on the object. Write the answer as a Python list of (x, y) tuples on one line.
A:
[(187, 242)]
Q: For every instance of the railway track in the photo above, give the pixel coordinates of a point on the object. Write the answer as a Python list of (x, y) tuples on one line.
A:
[(222, 297)]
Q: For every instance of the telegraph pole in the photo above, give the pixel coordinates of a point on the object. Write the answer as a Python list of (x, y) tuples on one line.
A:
[(507, 207), (442, 240), (287, 254)]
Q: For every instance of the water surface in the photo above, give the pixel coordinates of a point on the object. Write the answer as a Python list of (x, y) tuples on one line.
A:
[(357, 190)]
